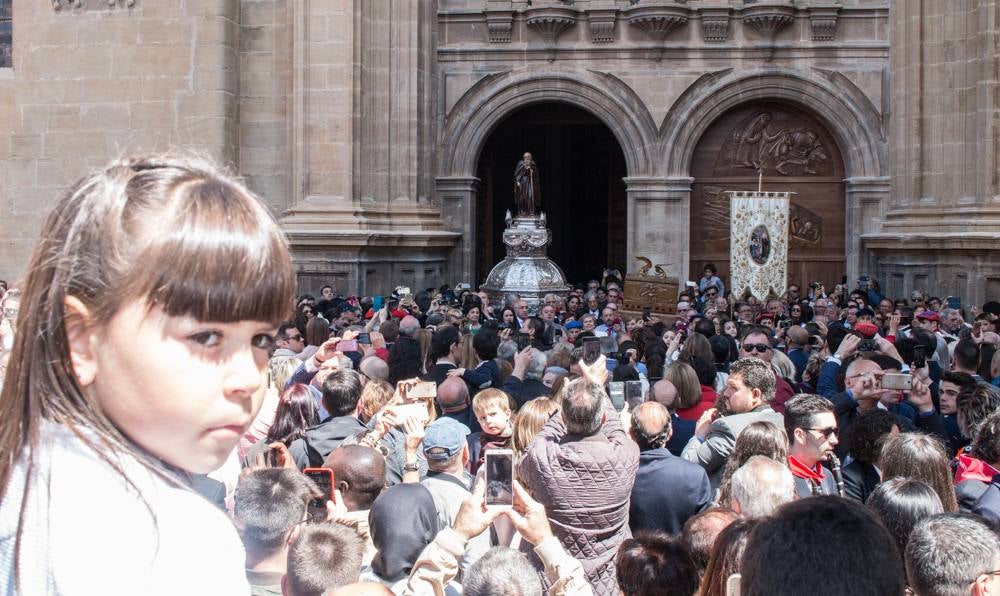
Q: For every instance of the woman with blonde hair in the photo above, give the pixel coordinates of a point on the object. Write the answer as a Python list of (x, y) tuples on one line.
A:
[(423, 337), (529, 420), (683, 376)]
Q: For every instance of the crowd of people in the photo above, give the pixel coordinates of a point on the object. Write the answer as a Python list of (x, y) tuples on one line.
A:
[(178, 416)]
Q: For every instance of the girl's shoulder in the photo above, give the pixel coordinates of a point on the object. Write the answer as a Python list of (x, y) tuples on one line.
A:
[(89, 525)]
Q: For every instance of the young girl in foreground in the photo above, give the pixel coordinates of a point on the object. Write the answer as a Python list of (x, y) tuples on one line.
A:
[(147, 315)]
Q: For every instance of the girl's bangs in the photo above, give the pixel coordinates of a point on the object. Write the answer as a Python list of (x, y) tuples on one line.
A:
[(220, 257)]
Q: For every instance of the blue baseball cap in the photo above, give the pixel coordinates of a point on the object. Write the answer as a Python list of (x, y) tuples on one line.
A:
[(573, 325), (444, 438)]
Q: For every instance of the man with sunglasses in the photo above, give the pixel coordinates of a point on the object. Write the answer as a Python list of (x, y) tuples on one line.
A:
[(757, 344), (812, 434)]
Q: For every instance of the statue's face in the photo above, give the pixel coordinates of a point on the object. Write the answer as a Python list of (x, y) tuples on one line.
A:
[(527, 157)]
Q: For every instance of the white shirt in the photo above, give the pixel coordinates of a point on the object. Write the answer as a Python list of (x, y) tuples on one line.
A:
[(87, 532)]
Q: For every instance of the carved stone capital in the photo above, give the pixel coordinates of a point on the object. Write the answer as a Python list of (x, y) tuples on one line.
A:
[(657, 20), (768, 19), (823, 20), (602, 24), (715, 24), (551, 21), (499, 24)]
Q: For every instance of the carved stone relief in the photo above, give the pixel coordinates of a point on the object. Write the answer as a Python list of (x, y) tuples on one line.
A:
[(757, 144)]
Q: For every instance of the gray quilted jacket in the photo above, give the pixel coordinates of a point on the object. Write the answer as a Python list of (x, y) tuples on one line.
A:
[(585, 483)]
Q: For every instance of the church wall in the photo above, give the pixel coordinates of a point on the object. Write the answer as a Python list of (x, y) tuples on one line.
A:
[(96, 81)]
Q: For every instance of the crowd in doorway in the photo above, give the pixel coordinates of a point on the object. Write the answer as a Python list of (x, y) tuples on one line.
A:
[(433, 442)]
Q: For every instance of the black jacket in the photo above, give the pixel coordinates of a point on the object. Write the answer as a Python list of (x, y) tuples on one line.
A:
[(320, 440), (860, 480), (524, 391)]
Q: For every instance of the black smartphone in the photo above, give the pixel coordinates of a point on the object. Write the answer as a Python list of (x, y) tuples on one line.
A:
[(523, 341), (919, 356), (499, 478), (867, 345), (364, 338), (323, 479), (633, 394), (591, 349), (645, 313)]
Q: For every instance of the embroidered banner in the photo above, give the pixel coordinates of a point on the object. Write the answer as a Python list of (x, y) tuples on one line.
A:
[(758, 243)]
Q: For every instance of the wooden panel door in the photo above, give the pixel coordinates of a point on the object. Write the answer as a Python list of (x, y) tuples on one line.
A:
[(796, 153)]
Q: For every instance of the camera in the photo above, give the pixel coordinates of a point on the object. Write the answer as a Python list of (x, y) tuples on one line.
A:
[(867, 345)]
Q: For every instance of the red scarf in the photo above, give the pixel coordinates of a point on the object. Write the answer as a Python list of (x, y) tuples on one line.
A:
[(799, 469)]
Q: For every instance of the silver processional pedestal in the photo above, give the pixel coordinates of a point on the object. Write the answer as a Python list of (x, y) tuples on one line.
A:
[(526, 273)]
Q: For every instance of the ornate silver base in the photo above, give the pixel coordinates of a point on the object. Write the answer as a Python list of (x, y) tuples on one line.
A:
[(526, 273)]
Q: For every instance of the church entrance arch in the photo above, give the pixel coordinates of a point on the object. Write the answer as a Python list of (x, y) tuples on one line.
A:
[(581, 166), (797, 153)]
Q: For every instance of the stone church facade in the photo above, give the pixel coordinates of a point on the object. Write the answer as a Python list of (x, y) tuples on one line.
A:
[(369, 126)]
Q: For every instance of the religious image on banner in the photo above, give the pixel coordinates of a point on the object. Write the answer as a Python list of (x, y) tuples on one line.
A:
[(758, 244)]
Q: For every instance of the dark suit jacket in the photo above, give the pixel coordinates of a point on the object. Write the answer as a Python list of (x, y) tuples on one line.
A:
[(846, 410), (524, 391), (683, 431), (860, 480), (667, 491)]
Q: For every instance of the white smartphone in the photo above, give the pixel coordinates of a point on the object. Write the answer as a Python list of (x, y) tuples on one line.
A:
[(404, 411), (499, 478)]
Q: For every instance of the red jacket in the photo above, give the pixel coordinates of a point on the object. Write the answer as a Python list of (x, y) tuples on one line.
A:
[(708, 397)]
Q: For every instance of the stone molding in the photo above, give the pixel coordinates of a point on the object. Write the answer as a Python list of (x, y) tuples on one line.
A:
[(767, 19), (499, 24), (551, 22), (61, 4), (658, 20), (602, 24)]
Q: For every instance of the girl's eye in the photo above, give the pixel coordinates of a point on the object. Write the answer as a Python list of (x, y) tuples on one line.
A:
[(208, 339), (264, 341)]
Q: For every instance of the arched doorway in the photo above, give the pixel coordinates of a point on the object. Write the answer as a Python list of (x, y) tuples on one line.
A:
[(583, 196), (798, 154)]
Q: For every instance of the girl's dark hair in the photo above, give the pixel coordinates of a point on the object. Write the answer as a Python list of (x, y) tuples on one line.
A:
[(404, 360), (486, 343), (921, 457), (901, 503), (724, 560), (317, 331), (296, 412), (625, 372), (172, 233), (758, 438)]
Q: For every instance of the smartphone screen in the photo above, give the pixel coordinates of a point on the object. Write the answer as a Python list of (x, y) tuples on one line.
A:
[(591, 349), (364, 338), (323, 479), (422, 390), (645, 313), (377, 303), (616, 391), (633, 394), (347, 345), (417, 410), (499, 478), (919, 356), (898, 381)]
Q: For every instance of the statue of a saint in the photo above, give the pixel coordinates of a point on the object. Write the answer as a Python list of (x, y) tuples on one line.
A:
[(526, 190)]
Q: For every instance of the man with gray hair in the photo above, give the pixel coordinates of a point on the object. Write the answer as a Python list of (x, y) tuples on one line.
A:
[(408, 325), (748, 393), (664, 392), (952, 554), (760, 486), (525, 382), (581, 466)]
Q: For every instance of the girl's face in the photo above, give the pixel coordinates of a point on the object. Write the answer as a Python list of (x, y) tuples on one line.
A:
[(473, 315), (183, 389), (730, 328), (508, 316), (308, 312)]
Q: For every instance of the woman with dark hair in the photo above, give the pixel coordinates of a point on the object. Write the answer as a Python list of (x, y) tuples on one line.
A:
[(901, 503), (404, 360), (508, 320), (296, 412), (759, 438), (727, 552), (921, 457), (690, 402), (868, 434)]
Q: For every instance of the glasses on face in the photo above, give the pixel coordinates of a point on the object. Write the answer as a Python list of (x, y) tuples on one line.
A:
[(826, 432), (295, 338), (751, 348)]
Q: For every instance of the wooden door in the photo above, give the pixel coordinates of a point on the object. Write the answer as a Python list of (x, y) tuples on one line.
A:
[(797, 154)]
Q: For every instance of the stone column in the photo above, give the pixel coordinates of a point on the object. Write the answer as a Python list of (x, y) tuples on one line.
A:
[(658, 222), (457, 196), (940, 232), (866, 204)]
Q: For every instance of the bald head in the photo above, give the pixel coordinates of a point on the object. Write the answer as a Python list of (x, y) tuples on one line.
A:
[(650, 425), (453, 395), (664, 392), (701, 530), (359, 474), (408, 326)]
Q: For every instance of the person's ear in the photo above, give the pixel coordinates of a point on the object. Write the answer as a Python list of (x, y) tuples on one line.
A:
[(82, 340), (343, 487), (757, 394)]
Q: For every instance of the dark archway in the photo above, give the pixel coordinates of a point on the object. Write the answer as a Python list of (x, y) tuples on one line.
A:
[(798, 154), (583, 195)]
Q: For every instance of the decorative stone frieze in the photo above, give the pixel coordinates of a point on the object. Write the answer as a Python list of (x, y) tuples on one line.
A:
[(550, 22), (499, 24), (768, 19), (61, 4)]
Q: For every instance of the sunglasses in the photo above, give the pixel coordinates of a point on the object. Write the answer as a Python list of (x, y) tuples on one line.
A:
[(826, 432), (750, 348)]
